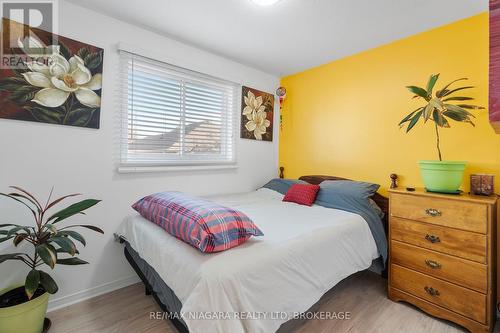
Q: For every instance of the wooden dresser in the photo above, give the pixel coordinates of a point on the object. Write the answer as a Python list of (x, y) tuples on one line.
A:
[(443, 257)]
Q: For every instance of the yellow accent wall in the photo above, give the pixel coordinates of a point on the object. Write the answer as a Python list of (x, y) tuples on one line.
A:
[(341, 118)]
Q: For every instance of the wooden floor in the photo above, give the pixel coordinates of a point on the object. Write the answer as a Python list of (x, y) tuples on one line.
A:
[(363, 295)]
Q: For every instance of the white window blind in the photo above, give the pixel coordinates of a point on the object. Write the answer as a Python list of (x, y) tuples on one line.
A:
[(173, 116)]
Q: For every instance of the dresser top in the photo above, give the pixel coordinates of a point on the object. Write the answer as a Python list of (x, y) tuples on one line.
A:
[(461, 197)]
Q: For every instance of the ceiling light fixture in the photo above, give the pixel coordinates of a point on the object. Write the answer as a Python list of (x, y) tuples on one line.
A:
[(265, 2)]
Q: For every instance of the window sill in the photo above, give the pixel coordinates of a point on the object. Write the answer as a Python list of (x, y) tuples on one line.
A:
[(149, 169)]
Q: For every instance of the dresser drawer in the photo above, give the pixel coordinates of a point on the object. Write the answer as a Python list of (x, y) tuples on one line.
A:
[(451, 213), (459, 271), (461, 300), (456, 242)]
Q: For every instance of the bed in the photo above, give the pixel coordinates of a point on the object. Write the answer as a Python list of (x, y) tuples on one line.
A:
[(260, 285)]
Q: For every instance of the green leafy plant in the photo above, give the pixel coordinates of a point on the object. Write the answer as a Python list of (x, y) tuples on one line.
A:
[(52, 244), (440, 107)]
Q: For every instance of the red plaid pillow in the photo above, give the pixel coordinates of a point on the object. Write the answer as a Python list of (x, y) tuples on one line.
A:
[(303, 194)]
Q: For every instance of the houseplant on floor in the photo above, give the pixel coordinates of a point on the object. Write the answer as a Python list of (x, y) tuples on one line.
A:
[(23, 307), (439, 108)]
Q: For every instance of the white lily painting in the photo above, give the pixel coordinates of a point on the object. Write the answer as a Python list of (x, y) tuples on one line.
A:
[(257, 115), (57, 84)]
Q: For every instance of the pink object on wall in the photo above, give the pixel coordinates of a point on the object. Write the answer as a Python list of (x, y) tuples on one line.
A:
[(494, 103)]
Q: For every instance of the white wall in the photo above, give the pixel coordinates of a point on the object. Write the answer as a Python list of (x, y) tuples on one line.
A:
[(37, 156)]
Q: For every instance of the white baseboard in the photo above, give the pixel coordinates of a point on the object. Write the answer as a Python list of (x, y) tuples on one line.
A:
[(64, 301)]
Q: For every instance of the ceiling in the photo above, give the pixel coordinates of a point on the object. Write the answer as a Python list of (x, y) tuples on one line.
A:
[(292, 35)]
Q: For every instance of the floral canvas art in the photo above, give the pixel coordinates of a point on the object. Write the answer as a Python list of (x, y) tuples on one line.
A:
[(257, 115), (56, 84)]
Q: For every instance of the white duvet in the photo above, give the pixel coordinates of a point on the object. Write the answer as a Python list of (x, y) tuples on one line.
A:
[(304, 252)]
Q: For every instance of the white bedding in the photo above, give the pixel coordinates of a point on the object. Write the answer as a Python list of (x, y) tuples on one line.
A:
[(304, 252)]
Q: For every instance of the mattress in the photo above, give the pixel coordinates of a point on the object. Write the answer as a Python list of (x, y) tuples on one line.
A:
[(256, 287)]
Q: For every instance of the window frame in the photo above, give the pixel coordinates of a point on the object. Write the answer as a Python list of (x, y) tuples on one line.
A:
[(227, 159)]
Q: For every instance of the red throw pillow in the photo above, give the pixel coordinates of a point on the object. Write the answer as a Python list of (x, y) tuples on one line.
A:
[(303, 194)]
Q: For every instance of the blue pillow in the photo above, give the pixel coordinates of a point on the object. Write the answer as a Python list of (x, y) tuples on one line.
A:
[(346, 188), (354, 197), (282, 185)]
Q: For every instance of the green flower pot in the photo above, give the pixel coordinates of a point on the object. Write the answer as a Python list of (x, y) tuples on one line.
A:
[(26, 318), (442, 176)]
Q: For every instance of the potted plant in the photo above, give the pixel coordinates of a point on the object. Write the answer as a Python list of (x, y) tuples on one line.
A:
[(23, 307), (439, 108)]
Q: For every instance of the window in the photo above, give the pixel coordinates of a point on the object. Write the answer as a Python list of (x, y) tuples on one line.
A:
[(174, 117)]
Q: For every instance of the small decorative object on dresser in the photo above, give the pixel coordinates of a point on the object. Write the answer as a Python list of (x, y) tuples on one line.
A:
[(442, 255), (482, 184)]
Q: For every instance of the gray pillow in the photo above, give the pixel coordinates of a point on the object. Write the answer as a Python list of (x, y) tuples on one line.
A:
[(354, 197), (282, 185)]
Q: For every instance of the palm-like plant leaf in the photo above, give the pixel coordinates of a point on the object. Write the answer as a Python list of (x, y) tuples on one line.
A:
[(449, 92), (421, 92), (414, 120), (431, 83), (440, 93)]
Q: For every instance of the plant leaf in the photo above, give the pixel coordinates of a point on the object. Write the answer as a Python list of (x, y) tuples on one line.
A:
[(19, 238), (449, 92), (65, 243), (48, 283), (32, 282), (440, 93), (10, 256), (20, 201), (431, 83), (71, 261), (429, 108), (458, 109), (55, 202), (471, 107), (408, 117), (457, 116), (48, 254), (458, 98), (13, 231), (421, 92), (75, 235), (28, 194), (5, 239), (414, 120), (73, 210), (91, 227)]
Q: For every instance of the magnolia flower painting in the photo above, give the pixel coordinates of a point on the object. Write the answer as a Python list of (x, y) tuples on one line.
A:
[(257, 115), (56, 84)]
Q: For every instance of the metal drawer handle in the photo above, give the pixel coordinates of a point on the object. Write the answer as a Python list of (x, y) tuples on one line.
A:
[(431, 291), (433, 264), (433, 239), (433, 212)]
